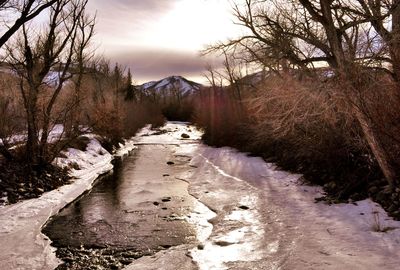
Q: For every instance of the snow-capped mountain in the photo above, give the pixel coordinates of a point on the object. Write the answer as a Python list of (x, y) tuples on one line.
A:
[(171, 85)]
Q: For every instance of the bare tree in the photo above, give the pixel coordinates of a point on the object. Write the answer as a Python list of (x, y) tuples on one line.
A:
[(53, 50), (82, 57), (384, 17), (305, 34), (26, 10)]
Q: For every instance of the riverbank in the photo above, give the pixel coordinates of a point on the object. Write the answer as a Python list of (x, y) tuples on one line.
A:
[(22, 245)]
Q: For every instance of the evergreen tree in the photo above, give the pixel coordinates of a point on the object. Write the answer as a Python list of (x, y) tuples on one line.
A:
[(129, 88)]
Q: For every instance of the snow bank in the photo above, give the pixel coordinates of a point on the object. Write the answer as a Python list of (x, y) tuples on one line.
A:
[(170, 133), (22, 245), (125, 148), (54, 135)]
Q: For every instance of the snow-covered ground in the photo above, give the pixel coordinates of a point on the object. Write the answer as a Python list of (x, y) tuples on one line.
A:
[(54, 135), (22, 245)]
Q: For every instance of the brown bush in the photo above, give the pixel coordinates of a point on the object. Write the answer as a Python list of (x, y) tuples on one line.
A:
[(221, 116)]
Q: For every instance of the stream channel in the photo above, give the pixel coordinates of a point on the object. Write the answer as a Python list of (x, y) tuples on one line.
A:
[(138, 210)]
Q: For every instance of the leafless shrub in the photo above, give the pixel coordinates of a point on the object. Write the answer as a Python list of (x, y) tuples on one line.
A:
[(309, 114), (11, 114)]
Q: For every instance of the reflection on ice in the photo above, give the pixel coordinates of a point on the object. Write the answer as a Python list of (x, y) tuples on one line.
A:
[(214, 256), (199, 218), (238, 242)]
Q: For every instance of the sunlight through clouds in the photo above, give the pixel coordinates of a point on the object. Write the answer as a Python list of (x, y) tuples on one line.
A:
[(148, 29), (192, 24)]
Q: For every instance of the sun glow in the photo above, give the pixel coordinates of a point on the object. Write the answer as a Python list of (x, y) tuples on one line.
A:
[(191, 25)]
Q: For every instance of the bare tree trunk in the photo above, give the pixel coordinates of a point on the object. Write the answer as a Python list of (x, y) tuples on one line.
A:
[(346, 69), (377, 149), (32, 142), (356, 83)]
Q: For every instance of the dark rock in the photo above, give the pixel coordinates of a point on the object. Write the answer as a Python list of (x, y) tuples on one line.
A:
[(387, 189), (170, 163), (114, 267), (320, 199), (200, 246), (393, 208), (222, 243), (68, 260), (156, 203), (108, 252), (244, 207), (381, 197), (373, 190), (125, 262), (185, 136), (356, 197), (132, 255), (330, 186)]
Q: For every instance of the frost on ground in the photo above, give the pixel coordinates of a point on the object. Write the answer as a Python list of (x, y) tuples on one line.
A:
[(22, 245)]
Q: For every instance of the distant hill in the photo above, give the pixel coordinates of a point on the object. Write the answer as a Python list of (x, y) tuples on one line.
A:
[(170, 87)]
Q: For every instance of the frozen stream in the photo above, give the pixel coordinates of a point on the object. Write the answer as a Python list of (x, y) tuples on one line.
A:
[(141, 208), (189, 206)]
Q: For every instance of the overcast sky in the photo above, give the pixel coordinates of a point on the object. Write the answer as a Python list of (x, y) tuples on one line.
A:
[(158, 38)]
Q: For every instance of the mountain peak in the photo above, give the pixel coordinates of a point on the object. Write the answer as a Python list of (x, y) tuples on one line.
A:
[(172, 83)]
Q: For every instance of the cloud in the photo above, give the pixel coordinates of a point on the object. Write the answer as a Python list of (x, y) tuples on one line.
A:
[(133, 7), (126, 19), (155, 64), (127, 29), (148, 5)]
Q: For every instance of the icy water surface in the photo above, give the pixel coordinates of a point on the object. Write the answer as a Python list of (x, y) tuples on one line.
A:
[(138, 210)]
